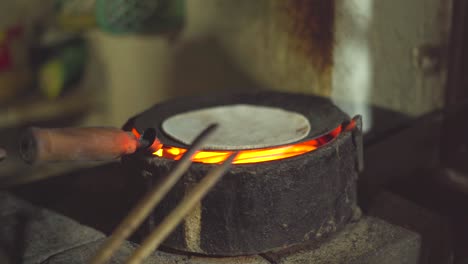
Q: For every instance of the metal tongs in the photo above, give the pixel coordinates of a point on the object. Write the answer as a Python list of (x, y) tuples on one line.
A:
[(146, 205)]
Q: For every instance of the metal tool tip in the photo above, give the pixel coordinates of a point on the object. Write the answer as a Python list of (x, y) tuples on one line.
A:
[(147, 139)]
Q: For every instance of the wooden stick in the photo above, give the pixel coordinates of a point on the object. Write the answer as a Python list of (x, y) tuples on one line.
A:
[(161, 232), (143, 208), (74, 144)]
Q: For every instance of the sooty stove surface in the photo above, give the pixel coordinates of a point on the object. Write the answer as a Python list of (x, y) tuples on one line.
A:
[(43, 236)]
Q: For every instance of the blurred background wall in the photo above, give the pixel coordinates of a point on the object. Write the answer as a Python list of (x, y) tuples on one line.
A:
[(367, 52), (360, 53)]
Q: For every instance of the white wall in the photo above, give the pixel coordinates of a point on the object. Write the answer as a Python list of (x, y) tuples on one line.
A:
[(375, 60)]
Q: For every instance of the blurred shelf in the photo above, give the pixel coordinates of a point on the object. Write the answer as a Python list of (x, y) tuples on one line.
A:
[(33, 109)]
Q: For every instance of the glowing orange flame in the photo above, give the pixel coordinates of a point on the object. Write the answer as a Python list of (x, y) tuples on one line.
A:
[(253, 155), (136, 133), (245, 156)]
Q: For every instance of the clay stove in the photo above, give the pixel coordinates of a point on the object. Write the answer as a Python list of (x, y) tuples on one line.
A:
[(293, 182)]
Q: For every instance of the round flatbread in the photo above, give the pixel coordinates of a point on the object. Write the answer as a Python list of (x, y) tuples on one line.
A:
[(241, 126)]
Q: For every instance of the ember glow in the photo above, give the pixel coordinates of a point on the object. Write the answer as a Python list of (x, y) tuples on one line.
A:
[(245, 156), (252, 155), (136, 133)]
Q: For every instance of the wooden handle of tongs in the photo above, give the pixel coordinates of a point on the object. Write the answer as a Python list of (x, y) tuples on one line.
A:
[(40, 145)]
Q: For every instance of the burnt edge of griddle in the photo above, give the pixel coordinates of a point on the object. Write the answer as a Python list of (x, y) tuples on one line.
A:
[(151, 159)]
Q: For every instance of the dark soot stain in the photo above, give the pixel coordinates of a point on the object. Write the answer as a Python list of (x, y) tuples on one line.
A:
[(313, 27)]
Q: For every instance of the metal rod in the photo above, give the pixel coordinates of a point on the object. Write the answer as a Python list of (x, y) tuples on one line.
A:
[(161, 232), (149, 201)]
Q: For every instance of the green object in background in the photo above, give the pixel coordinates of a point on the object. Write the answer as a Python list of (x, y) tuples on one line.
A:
[(75, 15), (62, 71), (140, 16)]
